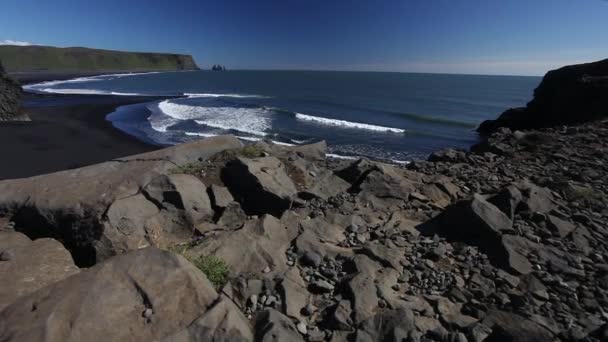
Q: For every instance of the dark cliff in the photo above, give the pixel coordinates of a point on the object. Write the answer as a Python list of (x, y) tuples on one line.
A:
[(10, 97), (569, 95), (77, 59)]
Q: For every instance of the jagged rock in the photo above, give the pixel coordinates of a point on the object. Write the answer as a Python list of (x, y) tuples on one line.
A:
[(535, 198), (325, 185), (390, 325), (272, 326), (261, 185), (474, 220), (222, 322), (70, 205), (124, 299), (232, 217), (315, 151), (513, 259), (507, 200), (295, 296), (450, 313), (355, 172), (10, 98), (447, 155), (512, 327), (341, 316), (363, 290), (388, 257), (182, 192), (26, 265), (560, 227), (388, 182), (259, 244), (127, 221), (220, 196)]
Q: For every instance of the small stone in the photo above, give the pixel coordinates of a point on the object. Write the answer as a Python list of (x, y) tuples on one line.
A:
[(312, 259), (7, 255), (147, 313), (266, 269), (302, 329), (321, 286), (308, 309)]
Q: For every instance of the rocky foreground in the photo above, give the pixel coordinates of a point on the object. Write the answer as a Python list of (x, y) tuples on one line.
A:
[(216, 241), (504, 243)]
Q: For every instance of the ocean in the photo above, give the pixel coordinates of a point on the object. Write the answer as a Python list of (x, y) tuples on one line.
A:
[(394, 117)]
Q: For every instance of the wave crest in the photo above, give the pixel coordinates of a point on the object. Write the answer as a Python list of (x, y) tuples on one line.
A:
[(348, 124)]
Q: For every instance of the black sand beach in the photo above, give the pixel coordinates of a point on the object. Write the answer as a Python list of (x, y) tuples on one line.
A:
[(66, 131)]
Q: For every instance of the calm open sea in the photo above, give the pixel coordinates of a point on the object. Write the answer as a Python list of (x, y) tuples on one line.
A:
[(386, 116)]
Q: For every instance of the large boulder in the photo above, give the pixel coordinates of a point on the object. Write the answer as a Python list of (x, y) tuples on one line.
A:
[(260, 244), (261, 185), (182, 192), (569, 95), (10, 98), (72, 205), (272, 326), (126, 299), (26, 265), (474, 220), (512, 327)]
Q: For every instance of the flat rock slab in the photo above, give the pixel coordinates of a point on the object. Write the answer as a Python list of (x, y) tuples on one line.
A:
[(26, 265)]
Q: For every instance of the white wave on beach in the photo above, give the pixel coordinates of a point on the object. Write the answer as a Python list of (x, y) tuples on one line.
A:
[(87, 92), (348, 124), (252, 139), (337, 156), (254, 121), (45, 87), (238, 96)]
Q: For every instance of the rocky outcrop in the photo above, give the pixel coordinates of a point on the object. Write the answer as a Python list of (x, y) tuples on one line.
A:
[(140, 296), (106, 209), (27, 266), (10, 98), (566, 96)]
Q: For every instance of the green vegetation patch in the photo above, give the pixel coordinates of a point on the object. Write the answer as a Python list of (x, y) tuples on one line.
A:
[(194, 169), (197, 168), (216, 270)]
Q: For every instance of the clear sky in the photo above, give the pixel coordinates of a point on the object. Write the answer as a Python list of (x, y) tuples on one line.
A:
[(522, 37)]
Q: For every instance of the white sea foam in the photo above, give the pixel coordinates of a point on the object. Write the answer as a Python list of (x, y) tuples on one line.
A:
[(243, 96), (87, 92), (348, 124), (198, 134), (337, 156), (45, 87), (248, 120), (253, 139)]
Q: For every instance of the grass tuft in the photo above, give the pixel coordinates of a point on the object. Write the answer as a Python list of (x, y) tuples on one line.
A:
[(214, 268)]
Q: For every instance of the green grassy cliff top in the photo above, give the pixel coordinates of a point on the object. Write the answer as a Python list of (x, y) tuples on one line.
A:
[(78, 59)]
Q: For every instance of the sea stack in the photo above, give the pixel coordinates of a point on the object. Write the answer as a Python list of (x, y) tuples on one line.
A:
[(10, 98)]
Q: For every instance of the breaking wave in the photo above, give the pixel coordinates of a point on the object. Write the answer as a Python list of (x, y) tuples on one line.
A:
[(347, 124)]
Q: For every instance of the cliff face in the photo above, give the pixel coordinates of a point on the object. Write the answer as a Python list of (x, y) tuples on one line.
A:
[(52, 59), (569, 95), (10, 97)]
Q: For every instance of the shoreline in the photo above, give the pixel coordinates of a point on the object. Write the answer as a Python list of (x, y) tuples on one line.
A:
[(66, 132)]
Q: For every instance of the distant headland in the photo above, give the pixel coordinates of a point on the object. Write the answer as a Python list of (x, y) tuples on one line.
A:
[(29, 59)]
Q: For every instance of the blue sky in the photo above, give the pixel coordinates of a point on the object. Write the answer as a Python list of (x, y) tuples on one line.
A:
[(522, 37)]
